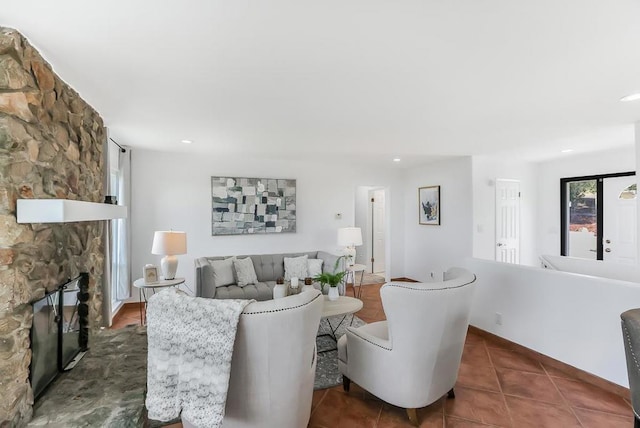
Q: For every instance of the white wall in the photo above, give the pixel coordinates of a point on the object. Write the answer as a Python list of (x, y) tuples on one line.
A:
[(549, 175), (570, 317), (173, 191), (437, 248), (486, 169)]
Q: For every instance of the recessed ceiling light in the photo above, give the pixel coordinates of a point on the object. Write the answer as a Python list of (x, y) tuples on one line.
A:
[(396, 159), (566, 151), (631, 97), (186, 141)]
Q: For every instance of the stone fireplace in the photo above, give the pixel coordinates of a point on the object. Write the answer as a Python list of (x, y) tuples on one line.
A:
[(51, 146)]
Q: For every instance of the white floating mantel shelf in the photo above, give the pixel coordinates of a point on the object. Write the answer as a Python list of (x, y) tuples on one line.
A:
[(65, 211)]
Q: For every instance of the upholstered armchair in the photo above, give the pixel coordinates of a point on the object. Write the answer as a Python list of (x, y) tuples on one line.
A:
[(274, 363), (631, 337), (412, 359)]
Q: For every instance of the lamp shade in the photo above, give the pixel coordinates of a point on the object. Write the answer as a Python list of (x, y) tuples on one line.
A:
[(169, 243), (349, 236)]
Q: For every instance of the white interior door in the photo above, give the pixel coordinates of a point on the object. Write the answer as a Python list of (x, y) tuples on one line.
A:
[(377, 208), (619, 219), (508, 221)]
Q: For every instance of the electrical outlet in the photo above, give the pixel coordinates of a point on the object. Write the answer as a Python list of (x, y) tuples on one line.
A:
[(498, 318)]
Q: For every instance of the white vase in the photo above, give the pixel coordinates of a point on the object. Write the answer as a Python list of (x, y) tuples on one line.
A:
[(333, 293), (279, 291)]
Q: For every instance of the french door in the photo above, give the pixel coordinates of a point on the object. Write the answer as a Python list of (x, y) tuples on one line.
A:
[(598, 217)]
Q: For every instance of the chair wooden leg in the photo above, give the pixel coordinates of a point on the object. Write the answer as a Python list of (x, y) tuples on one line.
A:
[(451, 394), (413, 417), (346, 383)]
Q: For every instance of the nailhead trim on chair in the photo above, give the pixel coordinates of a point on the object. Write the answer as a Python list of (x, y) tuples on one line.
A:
[(282, 309), (633, 354), (353, 331)]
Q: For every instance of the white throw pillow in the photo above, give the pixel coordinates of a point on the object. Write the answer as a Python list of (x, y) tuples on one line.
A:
[(245, 272), (295, 267), (315, 267), (223, 272)]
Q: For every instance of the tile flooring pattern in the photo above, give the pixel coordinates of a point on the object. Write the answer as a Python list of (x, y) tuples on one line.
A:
[(496, 387)]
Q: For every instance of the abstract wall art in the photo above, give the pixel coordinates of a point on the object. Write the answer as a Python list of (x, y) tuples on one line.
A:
[(243, 206), (429, 205)]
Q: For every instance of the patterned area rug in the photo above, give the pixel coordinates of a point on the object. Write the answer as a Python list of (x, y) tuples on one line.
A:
[(327, 374), (372, 278)]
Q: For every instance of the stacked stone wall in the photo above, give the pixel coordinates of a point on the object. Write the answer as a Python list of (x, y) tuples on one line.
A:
[(51, 146)]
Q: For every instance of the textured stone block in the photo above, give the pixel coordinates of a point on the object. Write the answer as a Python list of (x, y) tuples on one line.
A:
[(44, 75), (6, 256), (13, 75), (16, 104)]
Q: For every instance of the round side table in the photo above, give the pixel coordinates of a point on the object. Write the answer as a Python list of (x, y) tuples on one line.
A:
[(351, 274), (142, 287)]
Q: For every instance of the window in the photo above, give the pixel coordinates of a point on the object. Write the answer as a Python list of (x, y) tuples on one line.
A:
[(115, 247)]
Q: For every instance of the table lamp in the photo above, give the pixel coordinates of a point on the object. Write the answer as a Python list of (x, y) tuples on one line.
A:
[(169, 244), (349, 237)]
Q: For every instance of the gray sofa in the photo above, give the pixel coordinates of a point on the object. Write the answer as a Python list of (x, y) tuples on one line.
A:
[(269, 267)]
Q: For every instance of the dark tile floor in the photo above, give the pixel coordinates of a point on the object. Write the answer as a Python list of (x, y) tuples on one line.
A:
[(496, 387)]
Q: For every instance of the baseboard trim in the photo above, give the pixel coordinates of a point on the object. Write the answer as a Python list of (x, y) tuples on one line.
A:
[(551, 362)]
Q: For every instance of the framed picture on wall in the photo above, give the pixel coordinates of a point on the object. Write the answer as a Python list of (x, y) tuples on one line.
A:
[(429, 205)]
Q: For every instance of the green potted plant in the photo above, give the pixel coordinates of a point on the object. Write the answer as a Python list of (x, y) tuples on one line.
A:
[(332, 279)]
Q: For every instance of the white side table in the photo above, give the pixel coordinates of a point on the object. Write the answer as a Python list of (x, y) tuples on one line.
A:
[(351, 273), (142, 287)]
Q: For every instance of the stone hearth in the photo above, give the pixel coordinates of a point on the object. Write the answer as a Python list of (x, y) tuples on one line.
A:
[(51, 146), (106, 388)]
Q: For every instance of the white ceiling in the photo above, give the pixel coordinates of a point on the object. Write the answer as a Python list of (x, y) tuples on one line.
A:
[(293, 78)]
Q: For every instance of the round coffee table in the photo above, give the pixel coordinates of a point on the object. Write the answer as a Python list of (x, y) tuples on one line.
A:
[(344, 306)]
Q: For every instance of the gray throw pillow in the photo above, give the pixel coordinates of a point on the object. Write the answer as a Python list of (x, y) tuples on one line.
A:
[(315, 267), (245, 272), (295, 267), (223, 272)]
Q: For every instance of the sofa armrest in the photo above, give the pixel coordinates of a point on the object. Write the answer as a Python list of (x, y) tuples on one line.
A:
[(204, 278)]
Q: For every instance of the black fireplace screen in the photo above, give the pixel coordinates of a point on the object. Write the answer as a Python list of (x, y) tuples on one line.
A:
[(59, 331)]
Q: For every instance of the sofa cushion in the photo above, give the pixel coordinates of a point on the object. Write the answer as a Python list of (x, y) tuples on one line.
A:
[(295, 267), (245, 272), (270, 267), (329, 262), (258, 291), (314, 267), (223, 272)]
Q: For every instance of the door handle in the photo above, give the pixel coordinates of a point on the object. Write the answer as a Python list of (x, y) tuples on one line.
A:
[(607, 250)]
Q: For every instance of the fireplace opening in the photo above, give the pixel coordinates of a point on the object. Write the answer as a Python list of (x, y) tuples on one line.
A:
[(59, 335)]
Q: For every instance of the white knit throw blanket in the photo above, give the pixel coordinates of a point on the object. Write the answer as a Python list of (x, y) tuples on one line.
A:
[(190, 347)]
